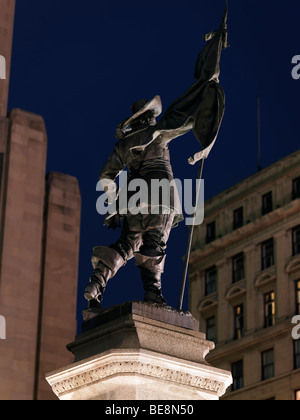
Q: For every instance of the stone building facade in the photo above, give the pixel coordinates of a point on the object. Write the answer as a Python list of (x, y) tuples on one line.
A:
[(39, 248), (245, 282), (7, 13)]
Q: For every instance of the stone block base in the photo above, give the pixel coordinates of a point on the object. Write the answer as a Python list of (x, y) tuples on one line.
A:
[(125, 355)]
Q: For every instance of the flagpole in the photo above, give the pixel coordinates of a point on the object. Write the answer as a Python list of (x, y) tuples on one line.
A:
[(259, 167), (201, 165), (190, 239)]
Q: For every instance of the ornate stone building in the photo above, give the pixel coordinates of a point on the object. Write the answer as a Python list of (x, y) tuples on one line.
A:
[(245, 282), (39, 246)]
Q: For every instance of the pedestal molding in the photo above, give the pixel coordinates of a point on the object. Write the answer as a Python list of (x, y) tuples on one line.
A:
[(204, 378), (138, 351)]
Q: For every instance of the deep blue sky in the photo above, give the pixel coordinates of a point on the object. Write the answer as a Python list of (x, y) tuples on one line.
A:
[(81, 64)]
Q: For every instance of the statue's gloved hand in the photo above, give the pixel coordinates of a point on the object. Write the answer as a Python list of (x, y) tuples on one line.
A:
[(119, 134), (113, 222)]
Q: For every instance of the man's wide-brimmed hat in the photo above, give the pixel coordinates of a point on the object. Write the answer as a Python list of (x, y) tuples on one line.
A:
[(140, 107)]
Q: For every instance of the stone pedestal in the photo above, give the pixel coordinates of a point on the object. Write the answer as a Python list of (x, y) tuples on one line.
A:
[(138, 351)]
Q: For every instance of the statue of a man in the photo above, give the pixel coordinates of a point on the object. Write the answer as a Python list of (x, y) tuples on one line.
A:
[(143, 149)]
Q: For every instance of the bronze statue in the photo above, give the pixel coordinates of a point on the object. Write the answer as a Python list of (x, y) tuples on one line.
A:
[(142, 147)]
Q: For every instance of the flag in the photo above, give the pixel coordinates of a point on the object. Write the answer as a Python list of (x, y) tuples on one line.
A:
[(202, 106)]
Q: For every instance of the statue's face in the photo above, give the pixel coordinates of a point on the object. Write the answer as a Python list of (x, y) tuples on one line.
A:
[(142, 122), (146, 119)]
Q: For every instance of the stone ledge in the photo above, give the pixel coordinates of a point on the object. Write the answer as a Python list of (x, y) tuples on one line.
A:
[(137, 325), (145, 365), (167, 315)]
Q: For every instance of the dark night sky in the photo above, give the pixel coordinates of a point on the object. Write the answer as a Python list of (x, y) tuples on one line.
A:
[(81, 64)]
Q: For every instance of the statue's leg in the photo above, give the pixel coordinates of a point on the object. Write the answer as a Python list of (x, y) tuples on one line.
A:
[(151, 257), (108, 260), (131, 237), (151, 271)]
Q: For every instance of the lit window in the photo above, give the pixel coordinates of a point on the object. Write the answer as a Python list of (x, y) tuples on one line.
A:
[(270, 309), (239, 331)]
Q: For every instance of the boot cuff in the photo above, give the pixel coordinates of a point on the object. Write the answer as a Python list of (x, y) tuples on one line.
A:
[(109, 257), (155, 264)]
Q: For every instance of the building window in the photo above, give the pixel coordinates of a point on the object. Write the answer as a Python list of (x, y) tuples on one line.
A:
[(297, 284), (239, 330), (268, 258), (211, 281), (296, 241), (211, 329), (238, 268), (296, 188), (270, 309), (210, 232), (238, 218), (238, 375), (267, 203), (297, 395), (268, 365), (297, 354)]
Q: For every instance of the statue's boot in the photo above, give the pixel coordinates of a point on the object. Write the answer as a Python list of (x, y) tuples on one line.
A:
[(106, 262), (151, 270)]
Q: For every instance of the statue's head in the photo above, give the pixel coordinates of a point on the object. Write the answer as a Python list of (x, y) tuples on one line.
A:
[(142, 117), (144, 114)]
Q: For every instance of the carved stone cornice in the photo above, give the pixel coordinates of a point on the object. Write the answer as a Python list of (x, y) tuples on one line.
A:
[(293, 265), (235, 292), (207, 304), (203, 378), (266, 278)]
